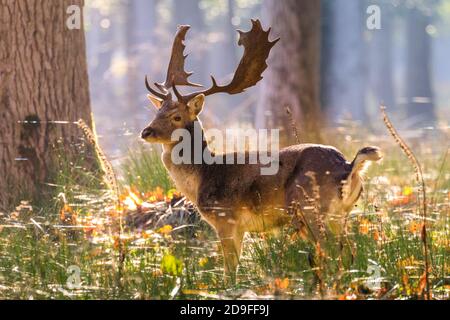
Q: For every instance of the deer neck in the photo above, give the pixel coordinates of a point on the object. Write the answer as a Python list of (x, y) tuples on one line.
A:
[(187, 175), (196, 142)]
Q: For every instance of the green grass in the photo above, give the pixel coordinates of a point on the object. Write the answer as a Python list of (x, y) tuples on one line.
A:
[(144, 170), (36, 254)]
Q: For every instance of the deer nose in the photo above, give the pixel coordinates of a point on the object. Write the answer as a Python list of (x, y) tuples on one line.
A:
[(147, 132)]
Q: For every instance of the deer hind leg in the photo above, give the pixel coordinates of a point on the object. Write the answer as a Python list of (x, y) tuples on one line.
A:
[(231, 238), (299, 201)]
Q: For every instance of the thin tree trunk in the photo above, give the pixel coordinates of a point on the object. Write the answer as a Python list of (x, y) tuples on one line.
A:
[(420, 105), (345, 73), (230, 58), (292, 78), (43, 79), (189, 12), (381, 75), (140, 25)]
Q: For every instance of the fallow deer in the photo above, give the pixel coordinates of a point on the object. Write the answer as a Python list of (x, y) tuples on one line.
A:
[(235, 199)]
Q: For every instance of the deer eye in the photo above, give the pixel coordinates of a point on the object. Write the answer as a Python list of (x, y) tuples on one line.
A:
[(177, 118)]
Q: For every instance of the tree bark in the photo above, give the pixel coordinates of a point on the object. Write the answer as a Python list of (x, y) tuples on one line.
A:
[(292, 78), (43, 79)]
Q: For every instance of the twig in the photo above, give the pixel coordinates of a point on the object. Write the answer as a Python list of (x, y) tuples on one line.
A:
[(110, 176), (293, 125), (436, 182), (111, 180), (420, 180)]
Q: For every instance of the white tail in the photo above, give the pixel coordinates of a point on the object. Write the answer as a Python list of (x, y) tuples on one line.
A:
[(352, 187)]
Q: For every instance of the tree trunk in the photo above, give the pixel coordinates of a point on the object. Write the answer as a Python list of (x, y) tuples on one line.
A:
[(292, 78), (420, 105), (229, 58), (189, 12), (101, 44), (140, 25), (43, 80), (380, 57), (345, 73)]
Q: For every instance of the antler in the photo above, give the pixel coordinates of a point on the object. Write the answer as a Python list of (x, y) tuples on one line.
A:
[(248, 73), (175, 72), (164, 94), (257, 47)]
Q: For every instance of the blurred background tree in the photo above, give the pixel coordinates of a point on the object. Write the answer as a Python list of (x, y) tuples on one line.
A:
[(293, 77), (419, 95), (344, 67)]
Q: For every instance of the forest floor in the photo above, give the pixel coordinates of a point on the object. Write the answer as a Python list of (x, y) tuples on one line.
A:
[(152, 244)]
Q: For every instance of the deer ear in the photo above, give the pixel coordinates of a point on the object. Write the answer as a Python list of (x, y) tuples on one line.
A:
[(155, 101), (195, 106)]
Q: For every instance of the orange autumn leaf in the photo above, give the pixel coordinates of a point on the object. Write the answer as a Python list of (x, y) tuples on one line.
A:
[(404, 198), (165, 230), (414, 226), (159, 194), (376, 235), (116, 242), (65, 209), (147, 234), (135, 197), (348, 297), (422, 283), (132, 199), (172, 194), (407, 191), (281, 284), (364, 226), (120, 242), (194, 292), (67, 215), (156, 195), (202, 286), (203, 261), (157, 273)]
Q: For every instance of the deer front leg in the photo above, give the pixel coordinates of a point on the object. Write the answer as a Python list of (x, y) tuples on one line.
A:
[(224, 218), (231, 239)]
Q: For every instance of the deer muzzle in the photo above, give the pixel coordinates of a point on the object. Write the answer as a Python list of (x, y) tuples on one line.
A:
[(148, 133)]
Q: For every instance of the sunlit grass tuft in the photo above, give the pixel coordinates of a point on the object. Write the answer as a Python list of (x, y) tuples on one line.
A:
[(144, 170)]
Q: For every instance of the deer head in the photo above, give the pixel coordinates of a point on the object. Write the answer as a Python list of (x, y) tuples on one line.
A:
[(182, 112)]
